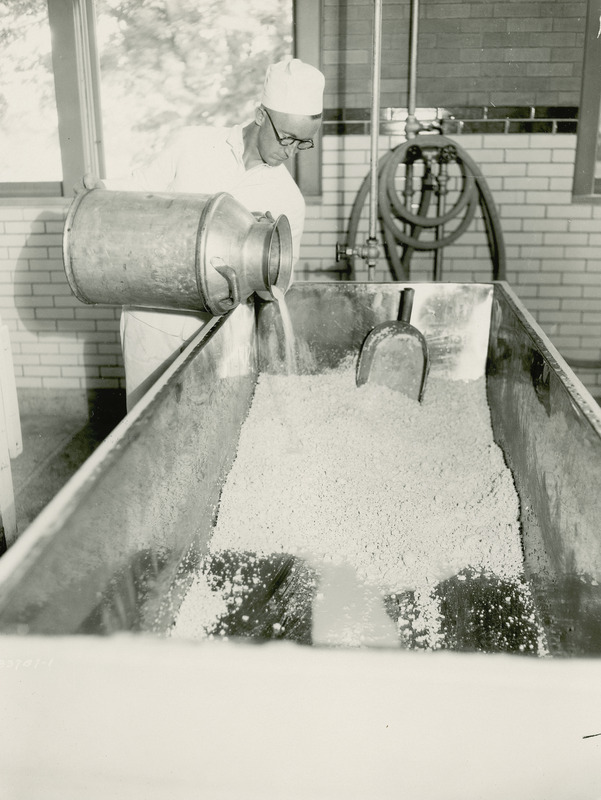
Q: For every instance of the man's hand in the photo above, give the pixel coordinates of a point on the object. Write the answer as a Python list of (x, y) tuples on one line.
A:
[(89, 181)]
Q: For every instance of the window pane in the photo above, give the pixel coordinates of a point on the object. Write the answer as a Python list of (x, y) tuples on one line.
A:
[(597, 182), (29, 144), (182, 62)]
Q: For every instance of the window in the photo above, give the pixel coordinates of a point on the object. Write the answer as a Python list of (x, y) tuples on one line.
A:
[(29, 141), (587, 174), (193, 62), (118, 75)]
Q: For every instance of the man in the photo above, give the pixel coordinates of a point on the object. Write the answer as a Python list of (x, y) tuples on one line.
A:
[(246, 161)]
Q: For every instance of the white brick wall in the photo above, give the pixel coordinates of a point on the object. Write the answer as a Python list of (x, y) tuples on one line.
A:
[(553, 259), (57, 342)]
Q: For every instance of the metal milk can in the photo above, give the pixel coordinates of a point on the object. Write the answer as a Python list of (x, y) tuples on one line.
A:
[(191, 252)]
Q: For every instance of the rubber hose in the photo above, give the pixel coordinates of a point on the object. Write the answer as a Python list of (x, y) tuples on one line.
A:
[(405, 261), (474, 189), (398, 155), (492, 224), (410, 240)]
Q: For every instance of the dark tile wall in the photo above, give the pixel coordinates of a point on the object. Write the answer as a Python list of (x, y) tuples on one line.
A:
[(457, 120)]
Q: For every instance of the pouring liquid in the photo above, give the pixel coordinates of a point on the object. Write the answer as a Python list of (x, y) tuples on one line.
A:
[(289, 342)]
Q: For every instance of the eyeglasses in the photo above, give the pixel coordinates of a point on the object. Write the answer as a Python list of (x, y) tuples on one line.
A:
[(286, 141)]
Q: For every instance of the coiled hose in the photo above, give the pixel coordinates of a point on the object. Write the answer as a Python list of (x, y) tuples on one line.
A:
[(401, 227)]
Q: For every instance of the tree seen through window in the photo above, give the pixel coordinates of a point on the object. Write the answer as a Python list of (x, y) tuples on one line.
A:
[(163, 64), (182, 62)]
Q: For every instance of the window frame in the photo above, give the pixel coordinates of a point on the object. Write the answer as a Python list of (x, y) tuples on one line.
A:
[(76, 69), (307, 36), (76, 86), (585, 187)]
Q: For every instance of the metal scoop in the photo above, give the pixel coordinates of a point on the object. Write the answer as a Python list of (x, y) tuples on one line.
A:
[(395, 354)]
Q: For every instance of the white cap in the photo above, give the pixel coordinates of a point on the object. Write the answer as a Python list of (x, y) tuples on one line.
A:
[(293, 87)]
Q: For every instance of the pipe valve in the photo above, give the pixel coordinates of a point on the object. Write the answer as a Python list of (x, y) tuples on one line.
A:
[(370, 251)]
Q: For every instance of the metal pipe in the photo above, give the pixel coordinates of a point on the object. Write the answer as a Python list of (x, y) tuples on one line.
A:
[(442, 191), (412, 126), (375, 131)]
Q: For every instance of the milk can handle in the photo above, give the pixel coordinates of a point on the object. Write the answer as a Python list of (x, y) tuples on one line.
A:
[(232, 281)]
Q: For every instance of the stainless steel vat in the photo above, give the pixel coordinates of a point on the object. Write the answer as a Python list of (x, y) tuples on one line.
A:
[(103, 554)]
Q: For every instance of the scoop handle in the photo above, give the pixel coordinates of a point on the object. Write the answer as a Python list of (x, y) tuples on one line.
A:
[(406, 305)]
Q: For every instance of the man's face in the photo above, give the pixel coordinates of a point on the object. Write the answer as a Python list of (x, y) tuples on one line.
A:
[(274, 124)]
